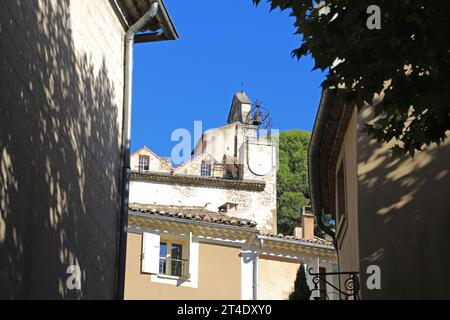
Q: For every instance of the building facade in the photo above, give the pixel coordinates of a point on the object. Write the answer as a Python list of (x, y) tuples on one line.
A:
[(207, 228), (233, 169), (62, 87), (392, 214)]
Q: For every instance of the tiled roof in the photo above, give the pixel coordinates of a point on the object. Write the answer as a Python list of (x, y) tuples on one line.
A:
[(183, 179), (317, 240), (243, 98), (191, 214)]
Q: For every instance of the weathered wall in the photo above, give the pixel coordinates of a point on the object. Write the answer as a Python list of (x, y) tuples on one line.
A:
[(233, 151), (219, 275), (253, 205), (272, 286), (404, 219), (218, 142), (193, 166), (156, 164), (61, 69), (276, 278)]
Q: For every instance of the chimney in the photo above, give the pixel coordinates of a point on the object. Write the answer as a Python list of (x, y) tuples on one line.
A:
[(306, 231), (307, 224), (298, 233)]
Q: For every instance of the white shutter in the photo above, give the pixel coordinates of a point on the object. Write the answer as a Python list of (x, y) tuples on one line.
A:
[(190, 256), (150, 253), (193, 260)]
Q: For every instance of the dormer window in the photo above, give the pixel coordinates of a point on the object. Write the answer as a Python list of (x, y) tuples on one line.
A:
[(228, 207), (144, 164), (206, 169)]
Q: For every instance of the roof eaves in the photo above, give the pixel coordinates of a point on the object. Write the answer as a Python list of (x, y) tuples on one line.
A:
[(183, 179), (315, 146), (297, 242), (133, 10), (166, 22), (331, 123), (193, 222)]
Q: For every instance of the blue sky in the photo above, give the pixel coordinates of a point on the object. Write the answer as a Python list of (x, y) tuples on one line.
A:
[(222, 44)]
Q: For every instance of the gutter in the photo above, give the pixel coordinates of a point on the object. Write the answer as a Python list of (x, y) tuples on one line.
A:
[(168, 29), (153, 13), (315, 146)]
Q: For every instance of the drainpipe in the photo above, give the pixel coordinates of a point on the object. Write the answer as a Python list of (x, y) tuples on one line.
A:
[(256, 268), (126, 145)]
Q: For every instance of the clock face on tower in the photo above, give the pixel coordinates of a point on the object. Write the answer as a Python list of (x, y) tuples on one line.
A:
[(260, 159)]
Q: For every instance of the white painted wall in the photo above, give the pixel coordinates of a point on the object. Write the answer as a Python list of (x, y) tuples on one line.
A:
[(253, 205)]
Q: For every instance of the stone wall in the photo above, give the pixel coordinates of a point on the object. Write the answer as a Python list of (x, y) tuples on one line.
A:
[(156, 163), (256, 160), (259, 206)]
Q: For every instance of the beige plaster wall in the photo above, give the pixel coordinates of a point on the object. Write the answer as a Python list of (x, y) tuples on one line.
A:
[(404, 219), (61, 87), (347, 231), (276, 278), (219, 275)]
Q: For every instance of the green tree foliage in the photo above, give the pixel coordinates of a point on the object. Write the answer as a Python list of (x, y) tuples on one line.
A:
[(301, 288), (407, 59), (292, 179)]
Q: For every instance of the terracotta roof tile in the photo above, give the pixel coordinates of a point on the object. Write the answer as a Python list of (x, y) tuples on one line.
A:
[(183, 179), (191, 213), (316, 240)]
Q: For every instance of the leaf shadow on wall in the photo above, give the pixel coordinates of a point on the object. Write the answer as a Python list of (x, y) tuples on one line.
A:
[(59, 158)]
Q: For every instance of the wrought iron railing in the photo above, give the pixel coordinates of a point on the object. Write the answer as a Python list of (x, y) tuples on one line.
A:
[(348, 290), (174, 267)]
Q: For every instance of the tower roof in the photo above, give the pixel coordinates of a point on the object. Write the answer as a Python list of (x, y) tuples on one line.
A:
[(242, 97), (236, 111)]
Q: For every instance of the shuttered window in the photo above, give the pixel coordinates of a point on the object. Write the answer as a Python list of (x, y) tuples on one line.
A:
[(341, 192)]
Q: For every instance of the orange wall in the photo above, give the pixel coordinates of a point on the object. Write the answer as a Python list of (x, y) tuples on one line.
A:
[(219, 275)]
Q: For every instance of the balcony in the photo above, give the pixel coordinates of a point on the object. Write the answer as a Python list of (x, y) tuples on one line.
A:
[(178, 268), (348, 290)]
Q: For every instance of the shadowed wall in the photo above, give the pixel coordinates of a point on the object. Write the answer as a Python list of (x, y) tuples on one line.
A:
[(61, 79), (404, 219)]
